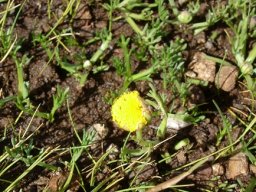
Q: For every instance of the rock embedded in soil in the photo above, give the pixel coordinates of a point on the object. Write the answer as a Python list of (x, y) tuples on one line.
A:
[(200, 38), (204, 173), (101, 133), (202, 68), (237, 166), (209, 46), (226, 77), (101, 130), (181, 157), (217, 169), (253, 169), (56, 181)]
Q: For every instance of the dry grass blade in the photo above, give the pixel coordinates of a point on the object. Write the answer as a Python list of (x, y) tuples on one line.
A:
[(173, 181)]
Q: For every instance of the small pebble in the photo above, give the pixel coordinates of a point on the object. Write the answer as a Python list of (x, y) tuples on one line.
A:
[(217, 169), (226, 78), (203, 68), (237, 165)]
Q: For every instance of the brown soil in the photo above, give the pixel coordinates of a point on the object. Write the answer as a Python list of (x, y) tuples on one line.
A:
[(88, 104)]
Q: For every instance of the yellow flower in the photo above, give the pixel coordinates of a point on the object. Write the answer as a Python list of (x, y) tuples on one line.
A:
[(129, 112)]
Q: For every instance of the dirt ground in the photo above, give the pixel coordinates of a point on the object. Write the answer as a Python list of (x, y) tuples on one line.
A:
[(88, 104)]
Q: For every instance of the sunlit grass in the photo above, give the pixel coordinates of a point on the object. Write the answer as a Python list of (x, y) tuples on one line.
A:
[(153, 53)]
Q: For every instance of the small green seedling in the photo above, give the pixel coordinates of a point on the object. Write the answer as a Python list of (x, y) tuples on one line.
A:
[(81, 70), (22, 100), (185, 16), (214, 15), (225, 130), (239, 47), (159, 103), (237, 15), (171, 121), (182, 143)]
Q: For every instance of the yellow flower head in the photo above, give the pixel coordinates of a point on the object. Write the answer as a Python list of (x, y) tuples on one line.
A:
[(129, 112)]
